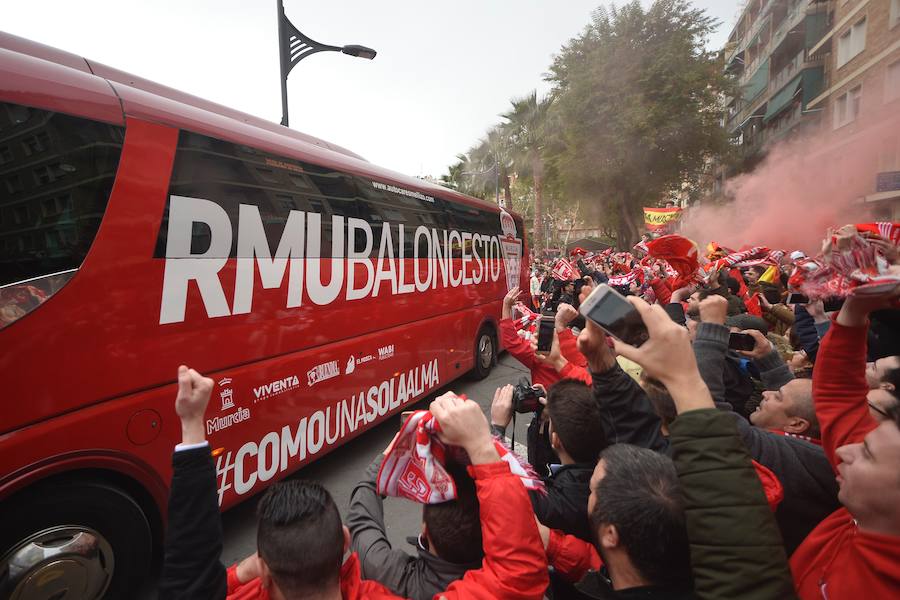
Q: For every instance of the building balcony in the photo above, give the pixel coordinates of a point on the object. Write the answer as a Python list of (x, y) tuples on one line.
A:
[(752, 31)]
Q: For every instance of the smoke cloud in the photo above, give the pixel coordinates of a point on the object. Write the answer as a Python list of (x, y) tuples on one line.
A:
[(802, 188)]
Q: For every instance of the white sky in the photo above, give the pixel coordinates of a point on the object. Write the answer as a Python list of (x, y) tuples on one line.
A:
[(444, 72)]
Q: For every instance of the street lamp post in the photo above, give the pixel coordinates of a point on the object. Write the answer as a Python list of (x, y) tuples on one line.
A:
[(293, 47)]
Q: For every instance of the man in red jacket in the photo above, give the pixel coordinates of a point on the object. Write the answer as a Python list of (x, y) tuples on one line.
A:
[(855, 552), (301, 539), (541, 372)]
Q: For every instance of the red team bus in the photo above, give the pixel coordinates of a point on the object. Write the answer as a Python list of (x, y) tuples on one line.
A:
[(142, 228)]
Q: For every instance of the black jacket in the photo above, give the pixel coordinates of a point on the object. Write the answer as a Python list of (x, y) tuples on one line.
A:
[(564, 506), (191, 563), (418, 577), (626, 414), (810, 489)]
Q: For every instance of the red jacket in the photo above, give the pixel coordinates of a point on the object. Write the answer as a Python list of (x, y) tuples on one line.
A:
[(541, 373), (572, 557), (662, 289), (838, 559), (352, 587), (514, 567)]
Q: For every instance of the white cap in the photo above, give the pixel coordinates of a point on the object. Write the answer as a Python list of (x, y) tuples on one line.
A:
[(797, 255)]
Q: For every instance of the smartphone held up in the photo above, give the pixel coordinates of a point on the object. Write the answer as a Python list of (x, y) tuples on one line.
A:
[(609, 309), (545, 334), (741, 341)]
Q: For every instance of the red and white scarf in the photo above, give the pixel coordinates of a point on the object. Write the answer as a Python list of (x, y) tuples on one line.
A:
[(414, 465)]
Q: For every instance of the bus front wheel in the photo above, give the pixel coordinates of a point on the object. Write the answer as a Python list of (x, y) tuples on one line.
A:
[(485, 352), (75, 539)]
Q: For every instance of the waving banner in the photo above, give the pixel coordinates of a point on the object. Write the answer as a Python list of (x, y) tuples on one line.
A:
[(661, 219)]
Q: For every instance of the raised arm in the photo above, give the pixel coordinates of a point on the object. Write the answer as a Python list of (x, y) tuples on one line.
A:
[(191, 565), (711, 344), (515, 564), (559, 363), (368, 536), (839, 379), (568, 344), (736, 550), (773, 371), (627, 415)]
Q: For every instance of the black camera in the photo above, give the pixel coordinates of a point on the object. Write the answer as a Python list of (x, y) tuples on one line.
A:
[(526, 397)]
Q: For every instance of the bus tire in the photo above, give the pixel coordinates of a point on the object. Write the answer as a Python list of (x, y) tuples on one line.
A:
[(95, 542), (485, 352)]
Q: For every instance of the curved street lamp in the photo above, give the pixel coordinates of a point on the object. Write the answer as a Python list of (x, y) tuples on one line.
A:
[(293, 47)]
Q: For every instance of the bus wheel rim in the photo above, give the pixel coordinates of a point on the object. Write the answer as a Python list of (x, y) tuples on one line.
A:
[(64, 562), (485, 351)]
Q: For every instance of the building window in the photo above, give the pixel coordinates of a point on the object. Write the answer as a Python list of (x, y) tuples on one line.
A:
[(895, 14), (892, 82), (847, 106), (36, 143), (851, 43)]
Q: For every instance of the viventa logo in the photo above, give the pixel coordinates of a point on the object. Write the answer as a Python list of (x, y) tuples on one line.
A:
[(274, 388), (322, 372), (385, 352), (226, 394)]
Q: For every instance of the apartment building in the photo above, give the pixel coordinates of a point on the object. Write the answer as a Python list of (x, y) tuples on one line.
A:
[(827, 68), (860, 103), (769, 53)]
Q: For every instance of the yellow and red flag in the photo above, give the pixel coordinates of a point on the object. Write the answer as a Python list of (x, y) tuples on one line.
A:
[(660, 219)]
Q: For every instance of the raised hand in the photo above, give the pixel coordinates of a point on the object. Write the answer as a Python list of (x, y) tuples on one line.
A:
[(508, 300), (714, 309), (190, 404), (463, 424), (565, 314), (554, 358), (502, 406), (668, 357), (593, 344), (761, 345), (856, 308)]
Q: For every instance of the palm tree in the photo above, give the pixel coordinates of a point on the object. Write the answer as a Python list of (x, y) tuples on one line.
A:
[(528, 130), (454, 177), (492, 159)]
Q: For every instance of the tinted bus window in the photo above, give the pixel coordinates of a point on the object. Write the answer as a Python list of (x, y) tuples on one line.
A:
[(230, 174), (56, 174)]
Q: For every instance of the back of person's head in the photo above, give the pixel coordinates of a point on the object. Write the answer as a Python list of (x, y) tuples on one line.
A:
[(660, 398), (300, 537), (454, 527), (734, 286), (639, 494), (575, 419)]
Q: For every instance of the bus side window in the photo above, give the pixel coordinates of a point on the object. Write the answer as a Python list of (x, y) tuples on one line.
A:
[(56, 174), (231, 174)]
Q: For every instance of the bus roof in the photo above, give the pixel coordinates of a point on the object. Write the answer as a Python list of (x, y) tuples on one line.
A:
[(144, 99)]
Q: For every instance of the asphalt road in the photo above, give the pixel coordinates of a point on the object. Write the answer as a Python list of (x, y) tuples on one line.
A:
[(340, 470)]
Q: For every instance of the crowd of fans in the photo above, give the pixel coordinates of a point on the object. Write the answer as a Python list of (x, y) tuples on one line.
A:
[(680, 468)]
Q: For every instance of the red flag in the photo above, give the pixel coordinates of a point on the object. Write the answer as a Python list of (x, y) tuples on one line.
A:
[(564, 271), (680, 253)]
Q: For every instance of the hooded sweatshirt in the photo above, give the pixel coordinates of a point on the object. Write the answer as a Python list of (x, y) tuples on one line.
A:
[(838, 559)]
